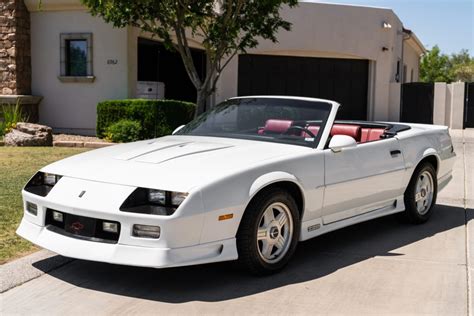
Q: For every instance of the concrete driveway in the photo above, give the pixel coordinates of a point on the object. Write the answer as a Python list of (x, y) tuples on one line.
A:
[(378, 267)]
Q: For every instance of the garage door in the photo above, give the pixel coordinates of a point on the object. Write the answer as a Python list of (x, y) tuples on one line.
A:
[(341, 80), (156, 63)]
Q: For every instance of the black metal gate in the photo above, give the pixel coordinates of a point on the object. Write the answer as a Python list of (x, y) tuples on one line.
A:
[(469, 105), (417, 102)]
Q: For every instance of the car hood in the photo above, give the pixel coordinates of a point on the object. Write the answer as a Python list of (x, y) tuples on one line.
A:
[(175, 163)]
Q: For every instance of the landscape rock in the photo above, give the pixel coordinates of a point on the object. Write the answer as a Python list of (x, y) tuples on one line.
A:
[(29, 134), (7, 91)]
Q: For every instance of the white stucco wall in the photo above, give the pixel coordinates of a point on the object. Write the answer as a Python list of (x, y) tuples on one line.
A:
[(72, 106), (456, 108), (337, 31), (439, 103), (411, 58)]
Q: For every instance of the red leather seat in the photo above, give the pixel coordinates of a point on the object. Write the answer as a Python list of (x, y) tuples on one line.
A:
[(275, 126), (371, 134), (353, 131), (313, 129)]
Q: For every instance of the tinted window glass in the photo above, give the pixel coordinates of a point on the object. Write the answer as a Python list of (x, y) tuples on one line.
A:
[(76, 58), (268, 119)]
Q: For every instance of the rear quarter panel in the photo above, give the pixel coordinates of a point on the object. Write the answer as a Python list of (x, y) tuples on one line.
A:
[(422, 141)]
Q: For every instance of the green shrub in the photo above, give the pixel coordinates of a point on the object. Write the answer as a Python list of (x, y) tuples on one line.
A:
[(10, 115), (156, 117), (123, 131)]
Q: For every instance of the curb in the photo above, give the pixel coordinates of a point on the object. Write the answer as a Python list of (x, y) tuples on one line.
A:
[(97, 144), (25, 269), (69, 143)]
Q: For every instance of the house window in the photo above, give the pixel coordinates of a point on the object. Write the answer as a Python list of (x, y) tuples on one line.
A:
[(397, 74), (76, 57)]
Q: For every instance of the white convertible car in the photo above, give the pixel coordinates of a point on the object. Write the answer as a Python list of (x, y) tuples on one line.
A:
[(247, 180)]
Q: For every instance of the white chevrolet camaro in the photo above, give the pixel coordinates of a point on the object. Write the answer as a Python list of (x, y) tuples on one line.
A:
[(247, 180)]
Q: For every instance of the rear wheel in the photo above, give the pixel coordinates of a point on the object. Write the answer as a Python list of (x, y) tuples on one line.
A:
[(420, 195), (269, 232)]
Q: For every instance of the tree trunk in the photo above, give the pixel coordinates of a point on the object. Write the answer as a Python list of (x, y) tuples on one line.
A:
[(200, 102)]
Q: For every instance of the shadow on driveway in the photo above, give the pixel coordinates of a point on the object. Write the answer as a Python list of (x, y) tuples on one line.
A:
[(314, 259)]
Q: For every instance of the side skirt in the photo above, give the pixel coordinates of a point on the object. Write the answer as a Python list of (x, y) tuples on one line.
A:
[(315, 227), (444, 180)]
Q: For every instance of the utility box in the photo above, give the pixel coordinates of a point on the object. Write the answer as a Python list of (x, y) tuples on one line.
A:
[(150, 90)]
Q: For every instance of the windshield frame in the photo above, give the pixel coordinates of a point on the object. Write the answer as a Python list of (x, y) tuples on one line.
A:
[(289, 141)]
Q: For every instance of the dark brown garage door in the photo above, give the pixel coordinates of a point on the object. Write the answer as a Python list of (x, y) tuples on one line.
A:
[(341, 80), (156, 63)]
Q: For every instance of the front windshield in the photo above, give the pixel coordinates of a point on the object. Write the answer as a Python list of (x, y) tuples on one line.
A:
[(289, 121)]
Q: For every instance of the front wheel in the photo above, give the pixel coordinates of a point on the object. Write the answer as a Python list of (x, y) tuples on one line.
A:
[(420, 195), (269, 232)]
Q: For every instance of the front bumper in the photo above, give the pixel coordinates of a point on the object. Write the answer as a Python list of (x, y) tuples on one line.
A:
[(179, 243), (126, 254)]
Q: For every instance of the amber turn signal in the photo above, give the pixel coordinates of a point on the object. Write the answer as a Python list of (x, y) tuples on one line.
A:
[(226, 216)]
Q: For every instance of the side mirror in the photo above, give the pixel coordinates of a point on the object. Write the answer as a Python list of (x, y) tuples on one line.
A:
[(339, 142), (177, 129)]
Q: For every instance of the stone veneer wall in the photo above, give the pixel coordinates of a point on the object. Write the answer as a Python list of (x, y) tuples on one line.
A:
[(15, 52)]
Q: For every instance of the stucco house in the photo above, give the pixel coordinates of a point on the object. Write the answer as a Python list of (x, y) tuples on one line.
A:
[(356, 55)]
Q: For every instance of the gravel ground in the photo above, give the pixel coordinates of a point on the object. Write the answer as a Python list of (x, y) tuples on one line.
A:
[(77, 138)]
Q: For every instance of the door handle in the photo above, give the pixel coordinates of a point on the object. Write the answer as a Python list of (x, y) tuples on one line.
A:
[(395, 153)]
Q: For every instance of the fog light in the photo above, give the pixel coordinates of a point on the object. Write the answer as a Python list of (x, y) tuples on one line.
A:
[(110, 227), (146, 231), (58, 216), (32, 208)]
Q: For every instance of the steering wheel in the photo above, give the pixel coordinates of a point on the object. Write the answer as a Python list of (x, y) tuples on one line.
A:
[(299, 128)]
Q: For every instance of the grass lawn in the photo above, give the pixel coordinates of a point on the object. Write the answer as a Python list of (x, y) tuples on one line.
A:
[(17, 165)]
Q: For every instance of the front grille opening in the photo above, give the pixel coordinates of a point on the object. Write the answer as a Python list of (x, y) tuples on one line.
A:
[(80, 227)]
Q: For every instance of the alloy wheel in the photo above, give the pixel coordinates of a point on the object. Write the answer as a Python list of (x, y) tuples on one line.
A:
[(275, 232), (424, 192)]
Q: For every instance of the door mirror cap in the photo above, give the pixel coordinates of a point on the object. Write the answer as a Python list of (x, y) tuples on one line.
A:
[(339, 142), (177, 129)]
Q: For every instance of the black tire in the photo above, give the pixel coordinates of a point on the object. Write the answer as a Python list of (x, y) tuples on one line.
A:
[(247, 245), (411, 213)]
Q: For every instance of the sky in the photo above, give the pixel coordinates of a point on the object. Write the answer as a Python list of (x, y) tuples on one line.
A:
[(447, 23)]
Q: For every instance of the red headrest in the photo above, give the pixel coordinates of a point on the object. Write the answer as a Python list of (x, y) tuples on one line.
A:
[(277, 126), (371, 134), (346, 129), (364, 134), (375, 134)]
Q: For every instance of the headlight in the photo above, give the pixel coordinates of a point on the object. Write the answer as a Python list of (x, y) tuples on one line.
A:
[(177, 198), (157, 196), (42, 183), (154, 202), (50, 179)]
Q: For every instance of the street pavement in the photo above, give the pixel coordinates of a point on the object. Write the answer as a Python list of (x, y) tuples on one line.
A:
[(379, 267)]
